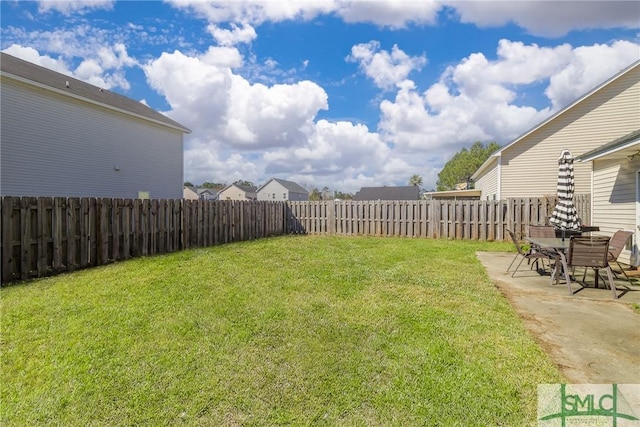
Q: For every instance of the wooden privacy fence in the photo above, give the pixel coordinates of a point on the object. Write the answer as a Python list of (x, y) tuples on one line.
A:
[(45, 236), (450, 219)]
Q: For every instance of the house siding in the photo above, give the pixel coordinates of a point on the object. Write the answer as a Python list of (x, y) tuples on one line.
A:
[(530, 168), (235, 193), (53, 145), (614, 197), (273, 190), (488, 183)]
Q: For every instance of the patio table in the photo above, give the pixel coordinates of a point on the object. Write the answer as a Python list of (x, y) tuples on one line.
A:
[(556, 245), (560, 247)]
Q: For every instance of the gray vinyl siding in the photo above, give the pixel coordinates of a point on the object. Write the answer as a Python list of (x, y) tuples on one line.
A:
[(614, 197), (529, 167), (53, 145)]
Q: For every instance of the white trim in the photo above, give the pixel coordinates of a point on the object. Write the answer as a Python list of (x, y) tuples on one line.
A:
[(499, 177), (614, 150), (498, 153), (494, 157)]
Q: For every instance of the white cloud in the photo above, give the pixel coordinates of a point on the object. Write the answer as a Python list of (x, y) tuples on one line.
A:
[(104, 69), (74, 6), (550, 18), (386, 69), (477, 99), (391, 13), (256, 11), (544, 18), (237, 34), (32, 55), (589, 66)]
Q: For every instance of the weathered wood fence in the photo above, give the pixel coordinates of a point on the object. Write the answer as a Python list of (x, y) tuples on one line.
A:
[(450, 219), (45, 236)]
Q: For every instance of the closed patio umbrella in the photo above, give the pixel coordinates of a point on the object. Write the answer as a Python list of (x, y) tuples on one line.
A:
[(564, 215)]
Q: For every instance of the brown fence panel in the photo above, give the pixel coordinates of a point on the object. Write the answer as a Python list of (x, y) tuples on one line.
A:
[(44, 236)]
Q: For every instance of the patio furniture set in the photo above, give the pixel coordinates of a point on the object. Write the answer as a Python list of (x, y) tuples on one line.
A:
[(564, 254)]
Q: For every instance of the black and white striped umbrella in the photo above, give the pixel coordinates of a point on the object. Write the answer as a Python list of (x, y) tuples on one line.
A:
[(564, 215)]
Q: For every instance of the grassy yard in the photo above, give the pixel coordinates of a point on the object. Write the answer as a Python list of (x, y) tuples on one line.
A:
[(289, 330)]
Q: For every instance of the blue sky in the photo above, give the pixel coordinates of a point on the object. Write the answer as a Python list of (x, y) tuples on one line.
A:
[(333, 93)]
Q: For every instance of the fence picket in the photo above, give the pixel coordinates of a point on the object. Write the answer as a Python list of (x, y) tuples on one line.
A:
[(42, 236)]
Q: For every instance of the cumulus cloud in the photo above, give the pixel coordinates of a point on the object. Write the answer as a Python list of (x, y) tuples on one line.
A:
[(256, 11), (105, 68), (386, 69), (248, 130), (589, 65), (555, 19), (229, 37), (477, 99), (32, 55), (74, 6), (390, 13)]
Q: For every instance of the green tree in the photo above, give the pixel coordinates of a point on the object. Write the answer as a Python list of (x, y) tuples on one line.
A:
[(315, 195), (416, 180), (342, 196), (463, 164), (214, 185), (188, 184), (244, 183)]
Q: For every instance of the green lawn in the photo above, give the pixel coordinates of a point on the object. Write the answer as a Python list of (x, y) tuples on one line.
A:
[(288, 330)]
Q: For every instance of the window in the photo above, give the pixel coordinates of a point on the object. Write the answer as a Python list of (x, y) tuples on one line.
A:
[(274, 195), (284, 196)]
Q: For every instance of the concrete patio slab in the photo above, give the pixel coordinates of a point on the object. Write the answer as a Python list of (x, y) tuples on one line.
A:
[(592, 338)]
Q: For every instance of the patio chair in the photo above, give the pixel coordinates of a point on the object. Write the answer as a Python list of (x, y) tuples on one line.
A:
[(542, 231), (590, 252), (617, 243), (523, 254)]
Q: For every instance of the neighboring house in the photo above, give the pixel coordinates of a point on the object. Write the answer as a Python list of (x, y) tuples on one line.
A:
[(238, 192), (615, 196), (409, 192), (64, 137), (279, 189), (205, 193), (195, 193), (189, 193), (528, 166)]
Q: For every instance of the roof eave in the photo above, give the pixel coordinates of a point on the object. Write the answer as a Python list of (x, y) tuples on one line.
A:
[(91, 101), (600, 153), (569, 106)]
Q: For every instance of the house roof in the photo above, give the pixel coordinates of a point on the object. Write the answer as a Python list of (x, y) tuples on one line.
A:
[(454, 194), (27, 72), (202, 190), (624, 146), (245, 188), (495, 156), (289, 185), (409, 192)]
